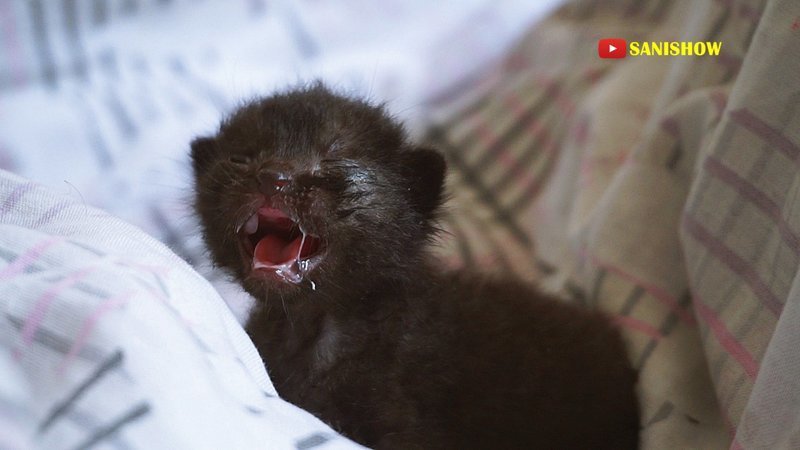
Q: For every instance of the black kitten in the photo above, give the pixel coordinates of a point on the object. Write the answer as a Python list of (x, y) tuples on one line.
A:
[(320, 207)]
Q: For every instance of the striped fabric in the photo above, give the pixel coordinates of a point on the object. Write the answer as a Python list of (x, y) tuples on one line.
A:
[(109, 340), (661, 190)]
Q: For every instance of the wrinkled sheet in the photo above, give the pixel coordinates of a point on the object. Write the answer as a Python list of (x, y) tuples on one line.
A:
[(110, 340), (662, 190)]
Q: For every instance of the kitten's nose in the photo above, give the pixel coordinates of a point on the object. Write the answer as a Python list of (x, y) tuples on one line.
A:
[(272, 182)]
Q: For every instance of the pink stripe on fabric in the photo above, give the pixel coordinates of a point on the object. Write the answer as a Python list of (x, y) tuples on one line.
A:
[(656, 292), (594, 74), (488, 139), (513, 102), (536, 130), (554, 90), (535, 127), (523, 173), (720, 100), (88, 326), (537, 178), (735, 445), (768, 133), (12, 199), (749, 12), (728, 341), (51, 213), (35, 318), (728, 422), (670, 125), (24, 260), (590, 164), (580, 131), (728, 61), (734, 262), (757, 197), (486, 136), (638, 325)]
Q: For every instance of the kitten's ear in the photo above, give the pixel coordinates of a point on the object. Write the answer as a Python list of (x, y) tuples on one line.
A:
[(425, 169), (204, 150)]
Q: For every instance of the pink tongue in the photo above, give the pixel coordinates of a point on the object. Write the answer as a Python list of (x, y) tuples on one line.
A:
[(271, 250)]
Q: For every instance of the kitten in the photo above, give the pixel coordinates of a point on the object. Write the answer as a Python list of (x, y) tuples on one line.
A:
[(321, 208)]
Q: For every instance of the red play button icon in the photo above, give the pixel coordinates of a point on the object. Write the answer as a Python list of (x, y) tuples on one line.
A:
[(612, 48)]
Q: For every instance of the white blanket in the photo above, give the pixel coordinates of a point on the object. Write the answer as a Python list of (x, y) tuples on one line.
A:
[(107, 338)]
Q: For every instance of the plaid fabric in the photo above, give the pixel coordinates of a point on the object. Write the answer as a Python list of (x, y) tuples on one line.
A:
[(109, 340), (660, 190)]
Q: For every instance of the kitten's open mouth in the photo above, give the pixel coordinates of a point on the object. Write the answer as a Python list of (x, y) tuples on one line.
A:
[(278, 245)]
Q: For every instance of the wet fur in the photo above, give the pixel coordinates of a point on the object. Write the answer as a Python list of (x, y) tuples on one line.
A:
[(389, 349)]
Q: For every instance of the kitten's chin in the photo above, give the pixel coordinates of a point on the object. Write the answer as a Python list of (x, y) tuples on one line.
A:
[(276, 248)]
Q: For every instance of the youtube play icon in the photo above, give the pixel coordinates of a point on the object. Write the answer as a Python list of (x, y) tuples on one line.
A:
[(612, 48)]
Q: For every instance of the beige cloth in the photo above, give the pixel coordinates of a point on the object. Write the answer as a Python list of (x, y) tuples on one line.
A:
[(662, 190)]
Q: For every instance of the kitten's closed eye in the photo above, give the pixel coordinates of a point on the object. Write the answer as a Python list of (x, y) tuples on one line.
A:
[(239, 160)]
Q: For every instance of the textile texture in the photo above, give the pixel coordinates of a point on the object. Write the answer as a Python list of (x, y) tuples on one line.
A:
[(662, 190), (109, 340)]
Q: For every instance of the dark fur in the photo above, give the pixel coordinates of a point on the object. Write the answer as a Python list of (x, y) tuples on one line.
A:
[(390, 350)]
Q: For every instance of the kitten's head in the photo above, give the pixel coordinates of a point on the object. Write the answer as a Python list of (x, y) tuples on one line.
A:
[(309, 185)]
